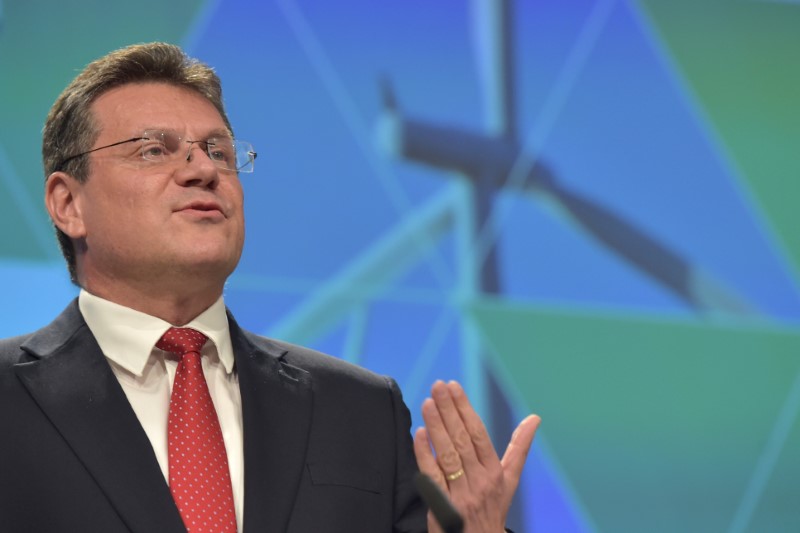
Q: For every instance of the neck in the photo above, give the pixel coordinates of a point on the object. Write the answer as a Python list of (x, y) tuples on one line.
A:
[(178, 307)]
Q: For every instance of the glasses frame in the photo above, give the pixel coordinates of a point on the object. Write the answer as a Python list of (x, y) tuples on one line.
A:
[(242, 169)]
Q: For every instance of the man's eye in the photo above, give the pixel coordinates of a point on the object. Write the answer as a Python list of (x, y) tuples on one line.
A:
[(154, 150), (218, 152)]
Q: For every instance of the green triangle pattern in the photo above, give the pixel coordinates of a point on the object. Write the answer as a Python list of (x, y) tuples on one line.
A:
[(740, 62), (658, 424)]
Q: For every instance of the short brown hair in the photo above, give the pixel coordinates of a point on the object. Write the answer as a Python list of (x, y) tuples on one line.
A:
[(70, 127)]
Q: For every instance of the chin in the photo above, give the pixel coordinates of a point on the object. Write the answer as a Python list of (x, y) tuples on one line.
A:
[(202, 263)]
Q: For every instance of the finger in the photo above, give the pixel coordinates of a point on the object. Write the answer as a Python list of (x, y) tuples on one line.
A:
[(447, 457), (481, 442), (517, 451), (426, 460), (454, 425)]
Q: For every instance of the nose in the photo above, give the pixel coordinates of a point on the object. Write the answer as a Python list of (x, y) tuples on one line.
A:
[(199, 170)]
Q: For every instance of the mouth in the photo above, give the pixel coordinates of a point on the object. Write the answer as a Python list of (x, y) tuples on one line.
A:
[(203, 208)]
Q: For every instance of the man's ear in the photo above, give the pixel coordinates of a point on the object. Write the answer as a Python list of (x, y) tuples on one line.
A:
[(62, 197)]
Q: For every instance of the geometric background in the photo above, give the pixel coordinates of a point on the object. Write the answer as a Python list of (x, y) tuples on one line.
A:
[(647, 304)]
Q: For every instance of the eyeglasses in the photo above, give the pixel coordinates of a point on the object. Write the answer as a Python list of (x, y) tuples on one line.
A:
[(159, 146)]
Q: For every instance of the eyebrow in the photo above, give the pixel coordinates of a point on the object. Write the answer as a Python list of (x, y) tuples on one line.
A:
[(220, 133)]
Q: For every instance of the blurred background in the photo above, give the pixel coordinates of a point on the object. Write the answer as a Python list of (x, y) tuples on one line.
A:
[(580, 208)]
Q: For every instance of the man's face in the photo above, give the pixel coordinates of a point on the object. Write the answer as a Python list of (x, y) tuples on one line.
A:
[(145, 222)]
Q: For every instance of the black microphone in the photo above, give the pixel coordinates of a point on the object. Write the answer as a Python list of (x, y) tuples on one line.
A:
[(440, 506)]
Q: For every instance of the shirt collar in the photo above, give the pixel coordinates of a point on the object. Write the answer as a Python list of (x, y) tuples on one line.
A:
[(127, 336)]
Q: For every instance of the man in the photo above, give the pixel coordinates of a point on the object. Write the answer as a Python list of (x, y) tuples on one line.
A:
[(115, 420)]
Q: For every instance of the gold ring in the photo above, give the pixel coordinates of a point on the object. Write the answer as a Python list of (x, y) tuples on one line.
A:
[(455, 475)]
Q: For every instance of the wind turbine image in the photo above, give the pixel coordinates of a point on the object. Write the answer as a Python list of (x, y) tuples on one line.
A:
[(489, 162), (495, 161)]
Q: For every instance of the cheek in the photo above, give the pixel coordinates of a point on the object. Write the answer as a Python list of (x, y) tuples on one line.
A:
[(115, 212), (236, 197)]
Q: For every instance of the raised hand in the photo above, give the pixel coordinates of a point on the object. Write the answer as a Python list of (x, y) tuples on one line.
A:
[(455, 450)]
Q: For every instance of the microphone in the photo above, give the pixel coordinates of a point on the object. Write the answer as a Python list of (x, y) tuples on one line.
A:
[(440, 506)]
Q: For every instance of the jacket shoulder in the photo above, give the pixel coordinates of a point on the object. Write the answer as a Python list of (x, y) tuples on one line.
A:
[(318, 363), (31, 346), (11, 351)]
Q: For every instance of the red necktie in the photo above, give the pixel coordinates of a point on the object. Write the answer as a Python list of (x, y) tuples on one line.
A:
[(199, 478)]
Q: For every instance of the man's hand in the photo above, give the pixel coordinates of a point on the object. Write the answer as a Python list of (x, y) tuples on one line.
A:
[(455, 450)]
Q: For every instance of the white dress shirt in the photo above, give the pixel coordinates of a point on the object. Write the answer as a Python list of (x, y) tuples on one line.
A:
[(128, 337)]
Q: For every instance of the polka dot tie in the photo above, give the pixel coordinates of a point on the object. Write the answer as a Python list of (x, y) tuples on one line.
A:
[(199, 478)]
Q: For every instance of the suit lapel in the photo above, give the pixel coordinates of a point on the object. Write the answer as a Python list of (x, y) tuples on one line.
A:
[(276, 408), (74, 386)]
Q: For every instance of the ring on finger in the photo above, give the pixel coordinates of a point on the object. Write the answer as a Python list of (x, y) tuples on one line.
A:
[(455, 475)]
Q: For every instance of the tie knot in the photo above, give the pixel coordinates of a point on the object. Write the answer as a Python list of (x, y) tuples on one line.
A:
[(181, 341)]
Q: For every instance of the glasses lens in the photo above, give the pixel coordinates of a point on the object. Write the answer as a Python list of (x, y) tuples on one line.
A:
[(230, 154), (245, 156), (222, 152), (159, 146)]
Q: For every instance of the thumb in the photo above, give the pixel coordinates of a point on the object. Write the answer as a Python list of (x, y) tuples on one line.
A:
[(516, 453)]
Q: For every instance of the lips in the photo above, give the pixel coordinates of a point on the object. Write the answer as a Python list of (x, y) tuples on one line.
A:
[(202, 206)]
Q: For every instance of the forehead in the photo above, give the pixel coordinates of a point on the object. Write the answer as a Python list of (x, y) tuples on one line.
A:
[(137, 106)]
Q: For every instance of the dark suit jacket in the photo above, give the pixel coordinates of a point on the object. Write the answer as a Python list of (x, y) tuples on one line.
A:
[(326, 444)]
